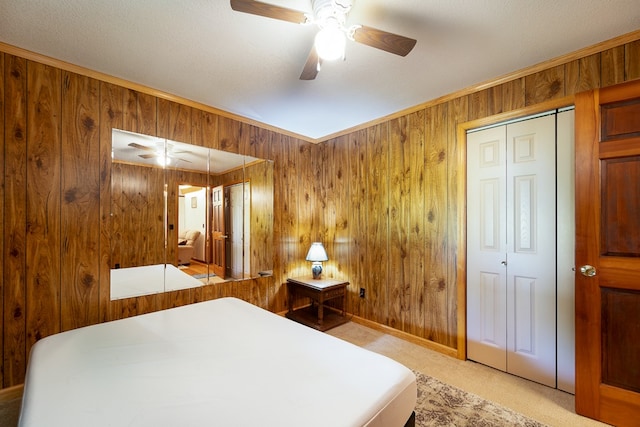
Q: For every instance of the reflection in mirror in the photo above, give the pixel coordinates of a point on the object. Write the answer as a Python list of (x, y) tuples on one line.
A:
[(170, 226)]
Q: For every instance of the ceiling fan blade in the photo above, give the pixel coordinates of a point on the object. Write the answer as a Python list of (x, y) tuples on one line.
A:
[(141, 147), (312, 66), (154, 155), (379, 39), (269, 10)]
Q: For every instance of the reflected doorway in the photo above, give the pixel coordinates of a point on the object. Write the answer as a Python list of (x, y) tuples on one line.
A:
[(192, 253), (230, 227)]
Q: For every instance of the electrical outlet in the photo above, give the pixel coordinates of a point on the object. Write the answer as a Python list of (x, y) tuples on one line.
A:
[(361, 292)]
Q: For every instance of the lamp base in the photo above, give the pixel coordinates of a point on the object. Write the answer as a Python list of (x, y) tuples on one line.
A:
[(316, 270)]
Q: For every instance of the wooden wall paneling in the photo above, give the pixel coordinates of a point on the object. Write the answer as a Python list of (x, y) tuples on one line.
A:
[(147, 113), (317, 152), (418, 174), (543, 86), (139, 113), (295, 252), (357, 217), (111, 116), (612, 66), (456, 226), (337, 239), (276, 298), (376, 282), (479, 104), (582, 74), (171, 299), (204, 129), (513, 95), (230, 134), (399, 202), (80, 211), (204, 293), (632, 60), (261, 178), (131, 111), (438, 328), (2, 203), (305, 217), (43, 202), (260, 143), (495, 103), (174, 121), (327, 197), (244, 142), (15, 208)]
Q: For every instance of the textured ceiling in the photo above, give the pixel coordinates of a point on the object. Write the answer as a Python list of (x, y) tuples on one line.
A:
[(249, 65)]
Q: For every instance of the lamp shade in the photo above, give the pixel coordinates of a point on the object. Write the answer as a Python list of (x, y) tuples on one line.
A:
[(317, 253)]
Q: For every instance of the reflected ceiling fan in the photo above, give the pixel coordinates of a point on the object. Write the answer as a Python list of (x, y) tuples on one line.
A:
[(330, 16), (159, 153)]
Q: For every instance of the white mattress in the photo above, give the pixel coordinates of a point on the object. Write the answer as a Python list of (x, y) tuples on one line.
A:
[(217, 363), (149, 279)]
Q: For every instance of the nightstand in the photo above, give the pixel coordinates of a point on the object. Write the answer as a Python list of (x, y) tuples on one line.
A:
[(319, 291)]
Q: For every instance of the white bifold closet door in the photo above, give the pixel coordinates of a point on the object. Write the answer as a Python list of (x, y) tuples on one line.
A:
[(511, 248)]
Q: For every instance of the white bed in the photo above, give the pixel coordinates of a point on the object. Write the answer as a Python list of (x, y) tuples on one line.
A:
[(149, 279), (217, 363)]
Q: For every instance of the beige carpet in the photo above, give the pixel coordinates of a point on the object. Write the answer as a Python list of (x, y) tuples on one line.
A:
[(443, 405)]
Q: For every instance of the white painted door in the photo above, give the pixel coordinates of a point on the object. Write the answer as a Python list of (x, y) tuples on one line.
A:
[(486, 247), (531, 250), (566, 244), (511, 248)]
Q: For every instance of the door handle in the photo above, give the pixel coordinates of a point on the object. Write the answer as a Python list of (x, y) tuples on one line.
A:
[(588, 270)]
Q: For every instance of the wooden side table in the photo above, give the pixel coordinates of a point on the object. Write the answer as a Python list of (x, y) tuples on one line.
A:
[(319, 291)]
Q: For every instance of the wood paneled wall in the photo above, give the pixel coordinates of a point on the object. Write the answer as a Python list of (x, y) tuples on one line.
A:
[(385, 200), (394, 204), (55, 215)]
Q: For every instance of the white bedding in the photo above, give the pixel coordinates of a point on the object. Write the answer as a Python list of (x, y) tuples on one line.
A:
[(217, 363), (149, 279)]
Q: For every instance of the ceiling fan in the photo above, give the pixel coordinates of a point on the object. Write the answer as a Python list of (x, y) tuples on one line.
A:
[(330, 16), (159, 153)]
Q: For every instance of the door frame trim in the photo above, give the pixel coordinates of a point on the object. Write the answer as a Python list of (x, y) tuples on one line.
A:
[(461, 166)]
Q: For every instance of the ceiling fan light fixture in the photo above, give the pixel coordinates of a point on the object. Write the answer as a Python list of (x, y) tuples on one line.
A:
[(163, 160), (330, 43)]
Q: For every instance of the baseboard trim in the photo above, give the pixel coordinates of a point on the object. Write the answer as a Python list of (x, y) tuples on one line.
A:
[(431, 345)]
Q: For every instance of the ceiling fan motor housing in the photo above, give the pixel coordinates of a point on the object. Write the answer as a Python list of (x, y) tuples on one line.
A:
[(331, 12)]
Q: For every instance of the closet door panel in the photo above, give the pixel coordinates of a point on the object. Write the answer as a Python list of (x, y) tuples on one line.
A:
[(531, 250), (486, 292), (566, 251)]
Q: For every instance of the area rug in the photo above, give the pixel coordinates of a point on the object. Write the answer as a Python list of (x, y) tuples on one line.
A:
[(203, 275), (441, 404)]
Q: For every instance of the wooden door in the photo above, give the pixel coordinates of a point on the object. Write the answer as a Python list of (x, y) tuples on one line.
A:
[(608, 254), (511, 216), (218, 229)]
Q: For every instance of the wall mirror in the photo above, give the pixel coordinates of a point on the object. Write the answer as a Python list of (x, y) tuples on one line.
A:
[(184, 216)]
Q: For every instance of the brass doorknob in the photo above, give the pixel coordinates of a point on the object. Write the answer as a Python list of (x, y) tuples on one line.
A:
[(588, 270)]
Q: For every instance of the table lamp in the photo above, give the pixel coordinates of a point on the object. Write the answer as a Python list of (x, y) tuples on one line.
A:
[(316, 255)]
